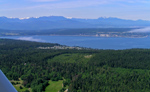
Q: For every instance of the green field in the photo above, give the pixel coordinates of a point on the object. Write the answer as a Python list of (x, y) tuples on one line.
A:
[(54, 86)]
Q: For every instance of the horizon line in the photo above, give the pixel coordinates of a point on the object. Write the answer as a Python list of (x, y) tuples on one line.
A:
[(23, 18)]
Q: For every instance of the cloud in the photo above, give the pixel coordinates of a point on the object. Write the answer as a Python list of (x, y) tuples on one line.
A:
[(142, 30), (30, 39), (84, 3), (73, 4), (131, 1), (43, 0), (61, 4)]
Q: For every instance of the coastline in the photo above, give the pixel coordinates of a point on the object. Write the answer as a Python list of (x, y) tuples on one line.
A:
[(107, 36)]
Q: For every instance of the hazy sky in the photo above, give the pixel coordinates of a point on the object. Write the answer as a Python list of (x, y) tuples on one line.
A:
[(125, 9)]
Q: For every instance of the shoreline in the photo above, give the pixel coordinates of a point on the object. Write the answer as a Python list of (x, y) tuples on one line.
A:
[(81, 35)]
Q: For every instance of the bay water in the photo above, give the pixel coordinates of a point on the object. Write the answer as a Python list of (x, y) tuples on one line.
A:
[(115, 43)]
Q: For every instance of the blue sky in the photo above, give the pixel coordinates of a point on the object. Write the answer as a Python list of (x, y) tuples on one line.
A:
[(125, 9)]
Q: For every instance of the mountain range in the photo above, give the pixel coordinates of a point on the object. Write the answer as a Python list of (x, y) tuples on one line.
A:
[(57, 22)]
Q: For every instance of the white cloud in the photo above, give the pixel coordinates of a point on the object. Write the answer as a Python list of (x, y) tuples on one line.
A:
[(85, 3), (30, 39), (131, 1), (73, 4), (43, 0), (142, 30), (76, 3)]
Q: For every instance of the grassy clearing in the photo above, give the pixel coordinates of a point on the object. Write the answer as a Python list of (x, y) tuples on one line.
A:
[(88, 56), (71, 58), (18, 84), (54, 86)]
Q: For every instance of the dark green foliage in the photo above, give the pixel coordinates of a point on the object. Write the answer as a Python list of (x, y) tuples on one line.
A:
[(21, 87), (135, 58), (27, 91), (62, 90), (39, 85), (13, 83), (66, 82), (106, 70)]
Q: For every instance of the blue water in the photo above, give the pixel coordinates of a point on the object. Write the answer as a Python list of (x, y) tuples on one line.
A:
[(90, 42)]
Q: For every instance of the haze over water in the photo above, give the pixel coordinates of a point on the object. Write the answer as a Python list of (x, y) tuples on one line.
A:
[(90, 42)]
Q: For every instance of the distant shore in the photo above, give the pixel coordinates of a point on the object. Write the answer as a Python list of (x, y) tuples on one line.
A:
[(102, 35)]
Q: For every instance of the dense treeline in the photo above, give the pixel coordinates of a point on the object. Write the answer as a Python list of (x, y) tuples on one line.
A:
[(134, 59), (81, 70)]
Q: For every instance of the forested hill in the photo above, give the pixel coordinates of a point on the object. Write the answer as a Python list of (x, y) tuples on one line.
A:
[(78, 70), (80, 31)]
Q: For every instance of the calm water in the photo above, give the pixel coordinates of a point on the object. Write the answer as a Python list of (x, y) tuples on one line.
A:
[(90, 42)]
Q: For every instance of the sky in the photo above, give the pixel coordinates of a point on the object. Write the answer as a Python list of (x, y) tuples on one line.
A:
[(87, 9)]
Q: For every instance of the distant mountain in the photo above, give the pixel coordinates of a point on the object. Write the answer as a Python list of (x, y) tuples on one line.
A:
[(54, 22)]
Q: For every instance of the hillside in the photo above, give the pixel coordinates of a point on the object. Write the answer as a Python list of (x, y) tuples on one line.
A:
[(83, 70)]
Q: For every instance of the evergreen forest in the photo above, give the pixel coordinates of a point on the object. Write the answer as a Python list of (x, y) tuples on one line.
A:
[(78, 70)]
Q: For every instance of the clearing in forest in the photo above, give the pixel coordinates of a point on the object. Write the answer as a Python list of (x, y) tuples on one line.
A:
[(54, 86)]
